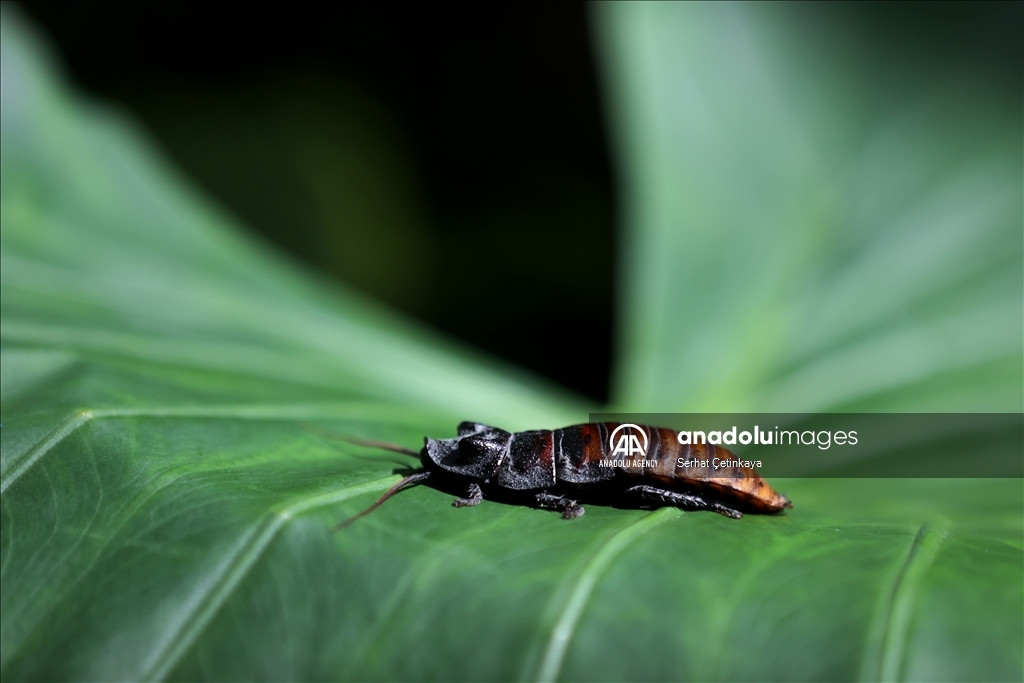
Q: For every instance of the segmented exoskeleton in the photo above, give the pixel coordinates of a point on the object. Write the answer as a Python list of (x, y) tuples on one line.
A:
[(555, 469)]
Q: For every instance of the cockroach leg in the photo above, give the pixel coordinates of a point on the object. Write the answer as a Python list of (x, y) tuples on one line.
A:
[(682, 500), (570, 508), (473, 497)]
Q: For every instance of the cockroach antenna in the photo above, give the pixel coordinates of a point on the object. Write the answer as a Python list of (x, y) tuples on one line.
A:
[(371, 443), (393, 447), (414, 478), (411, 479)]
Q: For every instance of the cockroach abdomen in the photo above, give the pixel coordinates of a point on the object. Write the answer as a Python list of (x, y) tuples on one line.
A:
[(579, 451)]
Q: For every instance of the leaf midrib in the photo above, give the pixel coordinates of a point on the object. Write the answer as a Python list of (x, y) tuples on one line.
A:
[(249, 549)]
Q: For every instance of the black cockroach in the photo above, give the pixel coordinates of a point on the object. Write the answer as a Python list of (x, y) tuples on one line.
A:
[(556, 469)]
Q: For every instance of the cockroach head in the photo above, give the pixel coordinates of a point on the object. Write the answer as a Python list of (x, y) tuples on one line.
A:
[(476, 443)]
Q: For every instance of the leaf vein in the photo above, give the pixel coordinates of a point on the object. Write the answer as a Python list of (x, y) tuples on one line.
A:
[(901, 604), (565, 626), (251, 547)]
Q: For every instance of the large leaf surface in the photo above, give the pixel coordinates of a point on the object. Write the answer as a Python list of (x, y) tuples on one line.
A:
[(167, 491), (820, 224)]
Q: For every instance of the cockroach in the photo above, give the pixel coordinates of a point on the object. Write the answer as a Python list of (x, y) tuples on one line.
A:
[(556, 469)]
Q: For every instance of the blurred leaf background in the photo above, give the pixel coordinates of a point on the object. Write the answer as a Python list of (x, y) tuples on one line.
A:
[(389, 147), (820, 209)]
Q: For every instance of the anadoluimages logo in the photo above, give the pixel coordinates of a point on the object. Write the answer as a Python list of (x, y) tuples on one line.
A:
[(625, 441)]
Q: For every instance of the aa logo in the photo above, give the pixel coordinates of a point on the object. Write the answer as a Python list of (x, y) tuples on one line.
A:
[(625, 441)]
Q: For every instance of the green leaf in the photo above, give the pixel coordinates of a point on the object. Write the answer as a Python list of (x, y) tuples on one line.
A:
[(816, 227), (167, 488)]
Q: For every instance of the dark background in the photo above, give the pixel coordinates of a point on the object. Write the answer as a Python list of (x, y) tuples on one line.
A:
[(450, 160)]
